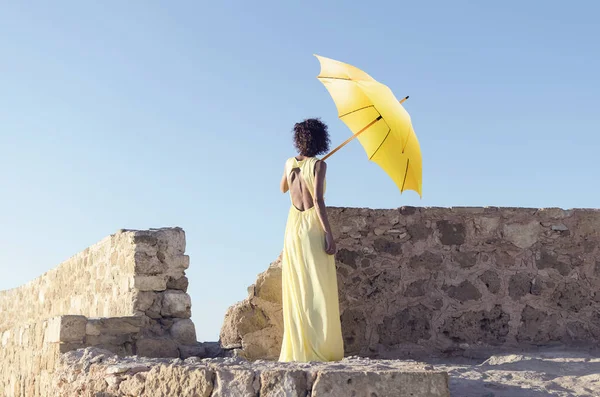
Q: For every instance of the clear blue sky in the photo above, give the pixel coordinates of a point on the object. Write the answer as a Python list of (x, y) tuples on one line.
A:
[(146, 114)]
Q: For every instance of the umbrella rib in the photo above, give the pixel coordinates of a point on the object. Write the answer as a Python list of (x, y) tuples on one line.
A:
[(405, 174), (333, 78), (356, 110), (382, 141)]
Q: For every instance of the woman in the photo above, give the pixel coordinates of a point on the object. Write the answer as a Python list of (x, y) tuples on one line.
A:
[(311, 319)]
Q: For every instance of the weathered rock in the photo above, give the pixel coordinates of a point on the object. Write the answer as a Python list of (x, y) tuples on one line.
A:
[(410, 325), (491, 281), (465, 259), (485, 326), (235, 382), (418, 231), (578, 332), (463, 292), (537, 326), (283, 383), (113, 326), (549, 260), (157, 347), (570, 297), (522, 235), (176, 304), (179, 284), (519, 285), (147, 264), (347, 257), (257, 321), (150, 283), (143, 300), (380, 383), (87, 373), (178, 380), (426, 260), (196, 350), (133, 386), (387, 246), (451, 233), (354, 330), (183, 331), (416, 288), (66, 329), (486, 226)]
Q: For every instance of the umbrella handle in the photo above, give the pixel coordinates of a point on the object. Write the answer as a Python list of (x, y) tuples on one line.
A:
[(355, 135)]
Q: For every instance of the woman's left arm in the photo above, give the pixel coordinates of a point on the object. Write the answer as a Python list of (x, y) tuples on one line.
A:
[(284, 182)]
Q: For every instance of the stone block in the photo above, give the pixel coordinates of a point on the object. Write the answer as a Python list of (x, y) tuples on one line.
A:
[(347, 257), (180, 283), (176, 304), (150, 283), (409, 325), (275, 383), (234, 382), (157, 348), (381, 383), (66, 329), (143, 300), (418, 231), (187, 351), (387, 246), (491, 281), (522, 235), (148, 264), (547, 259), (113, 325), (537, 326), (181, 262), (110, 340), (354, 328), (184, 331), (451, 233), (463, 292), (416, 288), (65, 347), (481, 326), (465, 259), (427, 260)]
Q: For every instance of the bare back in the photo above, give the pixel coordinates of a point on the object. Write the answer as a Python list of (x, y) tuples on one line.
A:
[(300, 191)]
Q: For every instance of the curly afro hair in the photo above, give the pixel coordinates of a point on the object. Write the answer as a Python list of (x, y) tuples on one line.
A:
[(311, 137)]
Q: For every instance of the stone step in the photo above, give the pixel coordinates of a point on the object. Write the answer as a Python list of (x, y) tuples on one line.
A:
[(97, 372)]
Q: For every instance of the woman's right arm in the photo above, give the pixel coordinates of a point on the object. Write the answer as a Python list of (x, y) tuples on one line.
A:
[(320, 171)]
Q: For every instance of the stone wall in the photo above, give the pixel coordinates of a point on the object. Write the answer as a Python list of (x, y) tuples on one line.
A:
[(125, 294), (96, 282), (26, 360), (423, 280)]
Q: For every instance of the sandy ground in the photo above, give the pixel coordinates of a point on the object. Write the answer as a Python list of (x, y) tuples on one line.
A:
[(533, 375)]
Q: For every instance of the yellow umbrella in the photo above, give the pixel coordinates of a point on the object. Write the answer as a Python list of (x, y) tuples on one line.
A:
[(378, 121)]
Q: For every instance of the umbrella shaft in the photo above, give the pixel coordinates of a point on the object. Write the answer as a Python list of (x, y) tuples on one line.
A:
[(352, 137), (357, 134)]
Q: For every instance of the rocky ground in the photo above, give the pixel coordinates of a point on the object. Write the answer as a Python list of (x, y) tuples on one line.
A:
[(536, 374), (550, 373)]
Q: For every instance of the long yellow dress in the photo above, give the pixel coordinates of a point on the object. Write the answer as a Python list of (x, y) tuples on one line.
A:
[(311, 318)]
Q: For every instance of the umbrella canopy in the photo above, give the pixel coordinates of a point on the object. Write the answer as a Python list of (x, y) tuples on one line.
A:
[(377, 119)]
